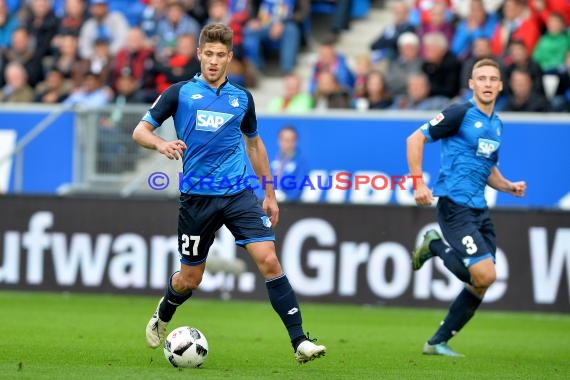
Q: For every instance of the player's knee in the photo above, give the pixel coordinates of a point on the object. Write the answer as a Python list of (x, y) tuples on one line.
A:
[(269, 265), (483, 279), (189, 282)]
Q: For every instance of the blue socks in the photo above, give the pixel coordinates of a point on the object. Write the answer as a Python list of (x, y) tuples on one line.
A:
[(460, 312), (171, 301), (450, 260), (284, 302)]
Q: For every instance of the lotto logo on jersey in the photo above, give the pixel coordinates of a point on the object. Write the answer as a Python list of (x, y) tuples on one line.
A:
[(211, 121), (487, 147)]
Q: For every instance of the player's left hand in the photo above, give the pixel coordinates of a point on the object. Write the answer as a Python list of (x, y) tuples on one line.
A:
[(271, 209), (517, 189)]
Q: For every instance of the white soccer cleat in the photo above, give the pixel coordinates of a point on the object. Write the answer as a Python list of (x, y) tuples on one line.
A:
[(156, 329), (307, 351)]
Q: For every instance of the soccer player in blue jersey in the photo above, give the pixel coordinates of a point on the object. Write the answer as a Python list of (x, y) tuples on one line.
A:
[(211, 116), (470, 135)]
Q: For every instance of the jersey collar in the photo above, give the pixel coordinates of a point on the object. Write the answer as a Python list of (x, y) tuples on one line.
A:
[(198, 78)]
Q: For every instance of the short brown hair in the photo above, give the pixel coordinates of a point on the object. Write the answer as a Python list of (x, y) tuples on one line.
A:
[(217, 33), (486, 62)]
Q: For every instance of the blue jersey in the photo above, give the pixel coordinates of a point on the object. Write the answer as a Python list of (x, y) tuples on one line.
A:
[(469, 150), (211, 122)]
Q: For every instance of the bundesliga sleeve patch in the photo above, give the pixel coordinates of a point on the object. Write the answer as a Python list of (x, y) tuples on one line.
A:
[(437, 119)]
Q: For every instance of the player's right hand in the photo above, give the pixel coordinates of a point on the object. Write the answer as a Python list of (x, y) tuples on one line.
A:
[(172, 149), (423, 195)]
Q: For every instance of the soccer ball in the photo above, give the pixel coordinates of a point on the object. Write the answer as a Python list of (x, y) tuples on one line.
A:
[(186, 347)]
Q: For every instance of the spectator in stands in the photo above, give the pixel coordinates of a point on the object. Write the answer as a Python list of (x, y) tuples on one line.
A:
[(276, 25), (330, 94), (417, 96), (561, 100), (407, 63), (101, 61), (102, 25), (420, 13), (519, 58), (522, 97), (517, 24), (153, 12), (8, 23), (182, 65), (551, 49), (23, 51), (16, 89), (175, 24), (376, 95), (54, 89), (477, 24), (440, 66), (91, 94), (386, 45), (481, 48), (75, 14), (136, 59), (363, 66), (127, 90), (235, 14), (340, 18), (543, 8), (288, 166), (197, 9), (42, 24), (67, 60), (436, 23), (329, 60), (131, 9), (462, 8), (293, 98)]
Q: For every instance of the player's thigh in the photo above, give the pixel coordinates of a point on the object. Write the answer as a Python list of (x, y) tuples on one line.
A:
[(460, 226), (246, 220), (198, 220)]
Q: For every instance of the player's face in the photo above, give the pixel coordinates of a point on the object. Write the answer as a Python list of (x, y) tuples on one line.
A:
[(214, 60), (486, 84)]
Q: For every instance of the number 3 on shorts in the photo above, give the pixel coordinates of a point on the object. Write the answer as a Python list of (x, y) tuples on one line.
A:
[(186, 244), (470, 246)]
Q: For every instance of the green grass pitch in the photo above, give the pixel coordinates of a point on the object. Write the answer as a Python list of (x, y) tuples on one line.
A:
[(77, 336)]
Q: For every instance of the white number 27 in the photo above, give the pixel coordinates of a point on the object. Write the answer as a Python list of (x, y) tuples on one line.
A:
[(186, 244)]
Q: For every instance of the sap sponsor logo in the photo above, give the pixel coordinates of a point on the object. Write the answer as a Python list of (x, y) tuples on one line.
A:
[(487, 147), (211, 121), (437, 119)]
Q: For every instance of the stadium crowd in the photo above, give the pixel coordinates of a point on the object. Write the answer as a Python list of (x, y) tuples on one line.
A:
[(96, 52)]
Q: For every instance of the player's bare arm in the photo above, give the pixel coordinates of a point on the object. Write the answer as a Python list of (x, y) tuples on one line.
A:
[(258, 157), (415, 151), (500, 183), (144, 136)]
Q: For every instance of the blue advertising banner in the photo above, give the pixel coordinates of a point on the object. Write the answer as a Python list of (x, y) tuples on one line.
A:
[(533, 149), (47, 160)]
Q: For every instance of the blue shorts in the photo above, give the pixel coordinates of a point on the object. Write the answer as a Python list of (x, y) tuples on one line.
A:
[(201, 216), (470, 232)]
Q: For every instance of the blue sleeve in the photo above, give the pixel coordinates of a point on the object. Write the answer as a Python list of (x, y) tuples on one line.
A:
[(164, 106), (446, 123), (249, 122)]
